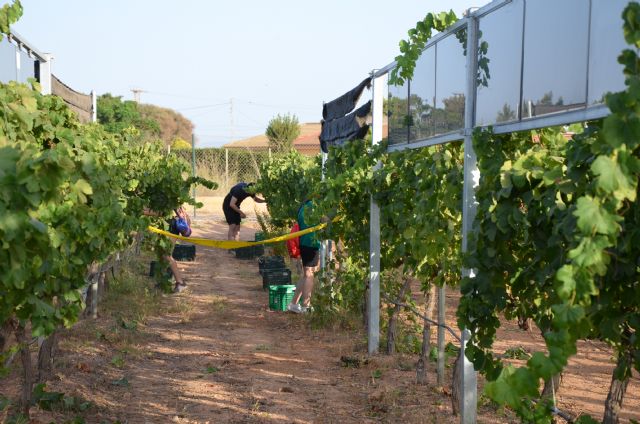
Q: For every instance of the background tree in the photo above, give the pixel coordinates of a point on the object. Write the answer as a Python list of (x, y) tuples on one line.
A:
[(282, 131), (117, 115), (171, 124), (180, 143)]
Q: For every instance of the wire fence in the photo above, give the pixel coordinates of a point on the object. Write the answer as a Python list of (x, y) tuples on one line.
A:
[(228, 166)]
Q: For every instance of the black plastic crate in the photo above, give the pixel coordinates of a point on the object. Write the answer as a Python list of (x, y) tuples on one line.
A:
[(276, 277), (258, 250), (248, 252), (270, 262), (184, 252)]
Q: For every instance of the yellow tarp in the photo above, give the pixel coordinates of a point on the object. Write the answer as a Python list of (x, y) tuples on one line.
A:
[(232, 244)]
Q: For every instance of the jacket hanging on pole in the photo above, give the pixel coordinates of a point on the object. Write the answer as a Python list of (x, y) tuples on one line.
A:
[(338, 131), (344, 104)]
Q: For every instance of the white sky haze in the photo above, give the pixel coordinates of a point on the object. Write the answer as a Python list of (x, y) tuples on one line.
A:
[(228, 66)]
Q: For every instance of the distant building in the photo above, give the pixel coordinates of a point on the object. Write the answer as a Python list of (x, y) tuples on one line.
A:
[(307, 142)]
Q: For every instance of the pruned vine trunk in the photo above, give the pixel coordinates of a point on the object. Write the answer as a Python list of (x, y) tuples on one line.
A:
[(108, 277), (101, 281), (393, 320), (455, 384), (421, 368), (27, 370), (46, 355), (5, 332), (551, 386), (617, 390)]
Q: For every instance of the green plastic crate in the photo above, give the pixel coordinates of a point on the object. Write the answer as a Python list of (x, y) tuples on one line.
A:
[(280, 297)]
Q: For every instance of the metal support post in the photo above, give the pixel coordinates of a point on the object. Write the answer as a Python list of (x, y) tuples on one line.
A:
[(373, 326), (323, 244), (468, 377), (226, 169), (442, 307), (18, 62), (45, 74), (193, 167), (94, 106)]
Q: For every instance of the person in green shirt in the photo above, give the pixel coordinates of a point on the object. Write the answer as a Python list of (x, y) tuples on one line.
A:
[(310, 255)]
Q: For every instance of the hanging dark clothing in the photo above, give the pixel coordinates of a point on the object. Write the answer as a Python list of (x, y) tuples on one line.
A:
[(344, 104), (338, 131)]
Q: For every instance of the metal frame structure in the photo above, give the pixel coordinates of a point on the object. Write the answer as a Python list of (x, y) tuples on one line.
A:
[(44, 59), (468, 378)]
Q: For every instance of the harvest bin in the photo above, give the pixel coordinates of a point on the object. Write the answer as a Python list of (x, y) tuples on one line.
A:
[(270, 262), (275, 277), (249, 252), (259, 249), (280, 297), (184, 252)]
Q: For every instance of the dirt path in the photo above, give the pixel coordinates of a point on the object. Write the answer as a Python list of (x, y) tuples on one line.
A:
[(227, 359), (218, 355), (221, 356), (233, 360)]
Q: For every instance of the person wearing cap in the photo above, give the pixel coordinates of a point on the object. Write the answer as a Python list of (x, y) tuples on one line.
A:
[(231, 207)]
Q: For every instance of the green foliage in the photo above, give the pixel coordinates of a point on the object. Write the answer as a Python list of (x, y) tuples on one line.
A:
[(70, 196), (282, 131), (557, 241), (9, 14), (450, 351), (57, 401), (408, 184), (117, 115), (411, 48), (516, 353), (286, 181), (180, 144)]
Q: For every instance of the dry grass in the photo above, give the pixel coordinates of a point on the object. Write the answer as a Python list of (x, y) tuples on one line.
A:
[(183, 308), (218, 304)]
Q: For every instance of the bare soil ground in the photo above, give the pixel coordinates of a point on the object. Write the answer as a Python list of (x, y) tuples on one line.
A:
[(216, 354)]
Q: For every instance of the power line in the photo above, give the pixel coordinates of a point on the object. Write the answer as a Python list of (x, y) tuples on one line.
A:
[(284, 106), (177, 95), (250, 118), (203, 106)]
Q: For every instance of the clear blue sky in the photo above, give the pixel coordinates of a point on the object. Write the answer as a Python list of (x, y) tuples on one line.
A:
[(270, 57)]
